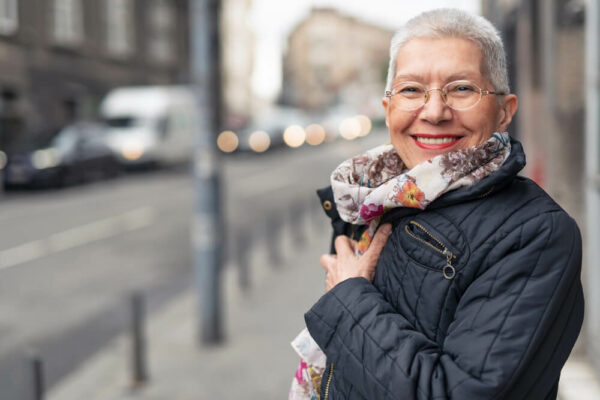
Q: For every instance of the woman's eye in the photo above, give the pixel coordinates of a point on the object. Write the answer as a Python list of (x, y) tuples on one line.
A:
[(462, 88), (409, 90)]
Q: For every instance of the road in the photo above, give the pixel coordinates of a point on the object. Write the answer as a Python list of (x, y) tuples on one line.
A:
[(69, 259)]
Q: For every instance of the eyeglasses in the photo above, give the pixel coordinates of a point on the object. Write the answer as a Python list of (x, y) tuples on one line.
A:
[(458, 95)]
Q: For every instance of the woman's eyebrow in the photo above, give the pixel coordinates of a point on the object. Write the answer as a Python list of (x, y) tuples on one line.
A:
[(408, 77), (463, 75), (419, 78)]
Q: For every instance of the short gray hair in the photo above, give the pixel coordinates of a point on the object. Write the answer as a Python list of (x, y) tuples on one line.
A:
[(449, 22)]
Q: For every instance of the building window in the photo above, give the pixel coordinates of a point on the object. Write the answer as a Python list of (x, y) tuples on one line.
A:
[(119, 26), (161, 33), (67, 21), (9, 16)]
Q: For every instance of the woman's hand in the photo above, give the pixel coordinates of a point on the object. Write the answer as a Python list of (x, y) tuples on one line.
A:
[(345, 264)]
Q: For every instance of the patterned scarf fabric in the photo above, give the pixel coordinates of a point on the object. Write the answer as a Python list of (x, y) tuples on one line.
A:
[(368, 185)]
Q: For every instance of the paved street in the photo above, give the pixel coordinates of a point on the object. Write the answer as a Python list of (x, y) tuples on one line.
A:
[(255, 363), (69, 259)]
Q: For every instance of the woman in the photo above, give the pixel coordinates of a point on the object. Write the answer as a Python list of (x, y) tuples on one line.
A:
[(470, 288)]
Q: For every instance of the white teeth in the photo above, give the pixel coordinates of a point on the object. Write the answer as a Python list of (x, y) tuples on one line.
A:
[(441, 140)]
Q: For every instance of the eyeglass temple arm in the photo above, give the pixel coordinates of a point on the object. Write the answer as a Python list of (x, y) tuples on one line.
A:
[(484, 92)]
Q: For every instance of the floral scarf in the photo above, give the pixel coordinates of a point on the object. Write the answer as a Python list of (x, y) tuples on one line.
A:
[(370, 184)]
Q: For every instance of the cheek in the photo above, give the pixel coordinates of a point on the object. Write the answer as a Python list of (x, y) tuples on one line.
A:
[(479, 124), (401, 120), (486, 121)]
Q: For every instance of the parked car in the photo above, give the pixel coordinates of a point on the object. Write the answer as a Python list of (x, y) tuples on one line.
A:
[(150, 124), (74, 154)]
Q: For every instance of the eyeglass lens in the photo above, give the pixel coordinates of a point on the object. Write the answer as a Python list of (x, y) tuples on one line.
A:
[(458, 95)]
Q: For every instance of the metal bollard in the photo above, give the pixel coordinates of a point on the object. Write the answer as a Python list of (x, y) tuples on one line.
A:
[(37, 366), (297, 225), (139, 372), (273, 237), (317, 216), (243, 262)]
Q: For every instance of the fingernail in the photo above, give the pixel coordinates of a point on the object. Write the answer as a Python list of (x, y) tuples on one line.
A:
[(386, 228)]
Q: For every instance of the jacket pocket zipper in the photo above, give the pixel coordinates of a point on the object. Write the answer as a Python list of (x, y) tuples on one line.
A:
[(448, 270), (326, 394)]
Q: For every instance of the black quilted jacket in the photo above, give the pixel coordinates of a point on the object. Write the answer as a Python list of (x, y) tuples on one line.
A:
[(477, 297)]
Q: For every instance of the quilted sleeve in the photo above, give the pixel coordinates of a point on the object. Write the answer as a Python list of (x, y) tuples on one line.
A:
[(514, 327)]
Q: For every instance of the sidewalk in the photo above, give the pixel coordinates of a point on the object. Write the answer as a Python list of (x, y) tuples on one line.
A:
[(578, 381), (255, 362)]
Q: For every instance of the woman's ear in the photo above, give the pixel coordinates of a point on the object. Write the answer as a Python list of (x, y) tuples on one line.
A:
[(507, 110), (385, 103)]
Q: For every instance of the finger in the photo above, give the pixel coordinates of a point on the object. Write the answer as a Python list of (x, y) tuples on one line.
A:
[(343, 245), (353, 245), (328, 260), (328, 282), (379, 240)]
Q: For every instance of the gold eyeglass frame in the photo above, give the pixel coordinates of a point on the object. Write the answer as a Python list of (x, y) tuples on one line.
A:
[(443, 93)]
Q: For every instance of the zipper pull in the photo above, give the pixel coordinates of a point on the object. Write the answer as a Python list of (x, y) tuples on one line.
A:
[(448, 271)]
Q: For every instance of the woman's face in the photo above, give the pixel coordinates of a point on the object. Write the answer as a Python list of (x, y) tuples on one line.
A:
[(435, 128)]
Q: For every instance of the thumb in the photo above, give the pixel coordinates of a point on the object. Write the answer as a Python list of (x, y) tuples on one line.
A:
[(379, 241)]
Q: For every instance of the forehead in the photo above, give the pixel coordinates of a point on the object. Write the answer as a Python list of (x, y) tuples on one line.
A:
[(439, 59)]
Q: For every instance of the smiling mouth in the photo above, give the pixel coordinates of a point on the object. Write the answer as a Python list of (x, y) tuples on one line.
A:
[(435, 142)]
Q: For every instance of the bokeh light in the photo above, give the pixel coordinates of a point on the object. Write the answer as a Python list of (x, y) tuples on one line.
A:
[(227, 141), (350, 128), (315, 134), (365, 125), (294, 136), (132, 150), (47, 158), (259, 141), (3, 160)]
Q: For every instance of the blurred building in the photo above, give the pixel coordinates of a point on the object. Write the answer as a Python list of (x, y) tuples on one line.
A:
[(545, 46), (59, 57), (554, 48), (237, 53), (335, 59)]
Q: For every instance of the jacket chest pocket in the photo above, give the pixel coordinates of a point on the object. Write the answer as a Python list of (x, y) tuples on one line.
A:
[(440, 247)]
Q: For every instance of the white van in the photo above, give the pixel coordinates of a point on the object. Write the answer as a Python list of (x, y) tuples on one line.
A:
[(150, 124)]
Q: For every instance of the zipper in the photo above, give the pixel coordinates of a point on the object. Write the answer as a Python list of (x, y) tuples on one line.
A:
[(487, 193), (328, 382), (448, 270)]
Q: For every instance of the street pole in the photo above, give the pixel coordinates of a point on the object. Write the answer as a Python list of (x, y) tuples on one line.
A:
[(208, 229), (3, 160)]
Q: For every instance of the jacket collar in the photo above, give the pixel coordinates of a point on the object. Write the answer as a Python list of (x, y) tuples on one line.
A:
[(490, 184)]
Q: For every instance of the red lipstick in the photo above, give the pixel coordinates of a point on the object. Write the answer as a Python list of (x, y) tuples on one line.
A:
[(431, 146)]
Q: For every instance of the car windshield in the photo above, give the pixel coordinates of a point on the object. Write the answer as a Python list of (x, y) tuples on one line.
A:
[(65, 139), (121, 122)]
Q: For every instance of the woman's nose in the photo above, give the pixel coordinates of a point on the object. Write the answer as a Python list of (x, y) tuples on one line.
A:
[(435, 109)]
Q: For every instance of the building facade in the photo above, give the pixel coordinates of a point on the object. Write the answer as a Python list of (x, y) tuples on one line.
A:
[(554, 48), (545, 46), (335, 59), (237, 54), (58, 58)]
